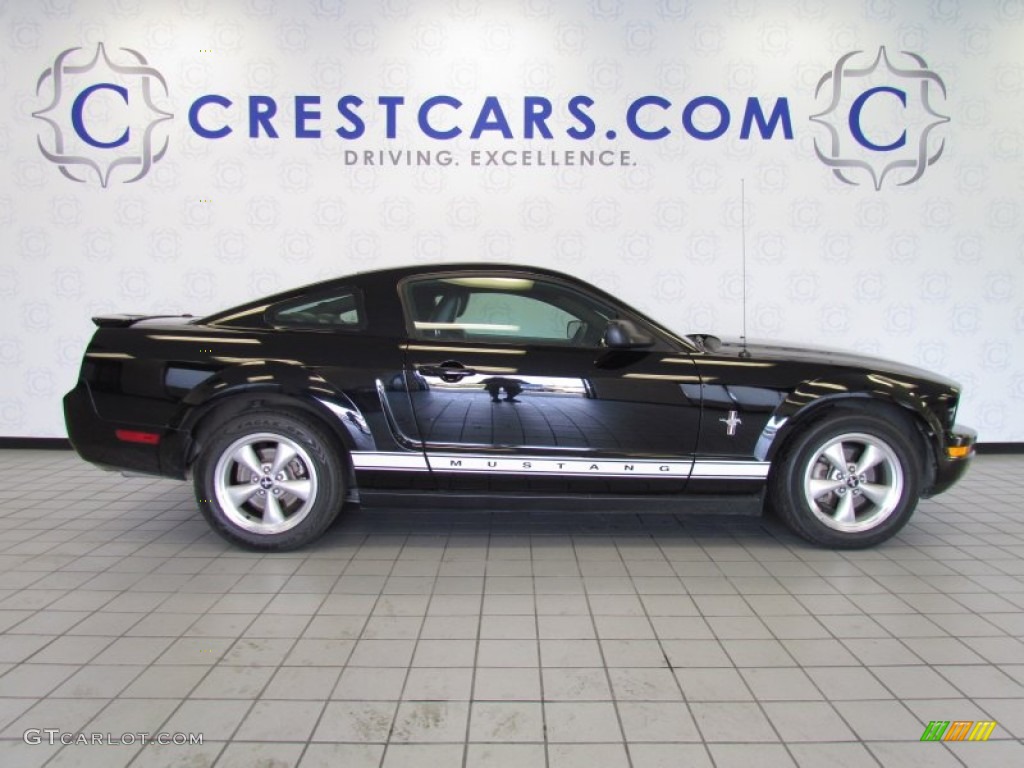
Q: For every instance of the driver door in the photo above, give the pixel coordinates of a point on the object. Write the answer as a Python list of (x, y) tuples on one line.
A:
[(514, 390)]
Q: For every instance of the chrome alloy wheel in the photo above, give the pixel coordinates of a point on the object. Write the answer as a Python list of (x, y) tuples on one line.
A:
[(854, 482), (265, 483)]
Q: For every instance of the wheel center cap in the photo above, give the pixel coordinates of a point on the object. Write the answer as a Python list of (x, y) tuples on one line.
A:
[(852, 481), (266, 482)]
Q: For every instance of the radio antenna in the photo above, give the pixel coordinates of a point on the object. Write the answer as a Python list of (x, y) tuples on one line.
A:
[(743, 251)]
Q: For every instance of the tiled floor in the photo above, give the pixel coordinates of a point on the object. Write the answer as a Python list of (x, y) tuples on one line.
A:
[(502, 639)]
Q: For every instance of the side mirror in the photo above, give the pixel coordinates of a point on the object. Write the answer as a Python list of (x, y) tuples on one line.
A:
[(707, 342), (624, 334)]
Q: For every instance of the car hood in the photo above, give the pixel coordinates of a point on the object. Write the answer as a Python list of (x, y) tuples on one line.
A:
[(761, 350)]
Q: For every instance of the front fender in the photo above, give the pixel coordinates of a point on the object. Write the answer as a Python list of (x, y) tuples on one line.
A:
[(918, 399)]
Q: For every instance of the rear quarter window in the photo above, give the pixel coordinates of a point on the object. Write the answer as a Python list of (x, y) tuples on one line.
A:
[(341, 309)]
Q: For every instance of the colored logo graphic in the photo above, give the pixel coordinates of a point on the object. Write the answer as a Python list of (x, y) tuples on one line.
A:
[(102, 114), (880, 119), (958, 730)]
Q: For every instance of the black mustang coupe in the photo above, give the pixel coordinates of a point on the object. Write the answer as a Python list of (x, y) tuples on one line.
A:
[(476, 381)]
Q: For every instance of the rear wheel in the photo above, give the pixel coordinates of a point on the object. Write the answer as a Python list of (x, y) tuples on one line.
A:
[(269, 480), (848, 481)]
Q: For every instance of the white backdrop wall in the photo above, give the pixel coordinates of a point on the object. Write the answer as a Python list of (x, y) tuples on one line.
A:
[(928, 273)]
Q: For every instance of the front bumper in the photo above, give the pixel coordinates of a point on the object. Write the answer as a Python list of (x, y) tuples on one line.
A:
[(956, 455)]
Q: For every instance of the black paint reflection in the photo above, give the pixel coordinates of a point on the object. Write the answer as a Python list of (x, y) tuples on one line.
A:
[(495, 384), (539, 419)]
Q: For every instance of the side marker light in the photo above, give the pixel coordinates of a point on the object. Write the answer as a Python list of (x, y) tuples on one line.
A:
[(134, 436)]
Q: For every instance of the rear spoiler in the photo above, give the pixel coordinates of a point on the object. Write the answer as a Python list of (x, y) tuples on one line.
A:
[(124, 321)]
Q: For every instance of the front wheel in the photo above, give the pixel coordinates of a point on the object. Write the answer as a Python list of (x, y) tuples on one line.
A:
[(849, 481), (269, 480)]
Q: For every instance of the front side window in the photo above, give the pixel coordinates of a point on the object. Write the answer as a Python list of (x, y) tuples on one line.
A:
[(501, 309)]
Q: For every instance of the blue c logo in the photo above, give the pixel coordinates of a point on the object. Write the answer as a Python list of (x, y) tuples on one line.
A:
[(855, 111), (79, 124)]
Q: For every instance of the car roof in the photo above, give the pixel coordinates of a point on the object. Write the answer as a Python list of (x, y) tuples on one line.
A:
[(457, 266)]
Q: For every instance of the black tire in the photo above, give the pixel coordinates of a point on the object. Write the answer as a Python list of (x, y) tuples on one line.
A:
[(820, 499), (269, 480)]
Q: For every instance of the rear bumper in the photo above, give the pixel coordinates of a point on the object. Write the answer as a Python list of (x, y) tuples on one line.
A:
[(956, 455), (95, 438)]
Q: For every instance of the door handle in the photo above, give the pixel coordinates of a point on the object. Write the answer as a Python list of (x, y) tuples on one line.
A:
[(449, 371)]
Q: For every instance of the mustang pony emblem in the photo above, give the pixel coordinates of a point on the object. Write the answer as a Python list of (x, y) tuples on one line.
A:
[(731, 423)]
